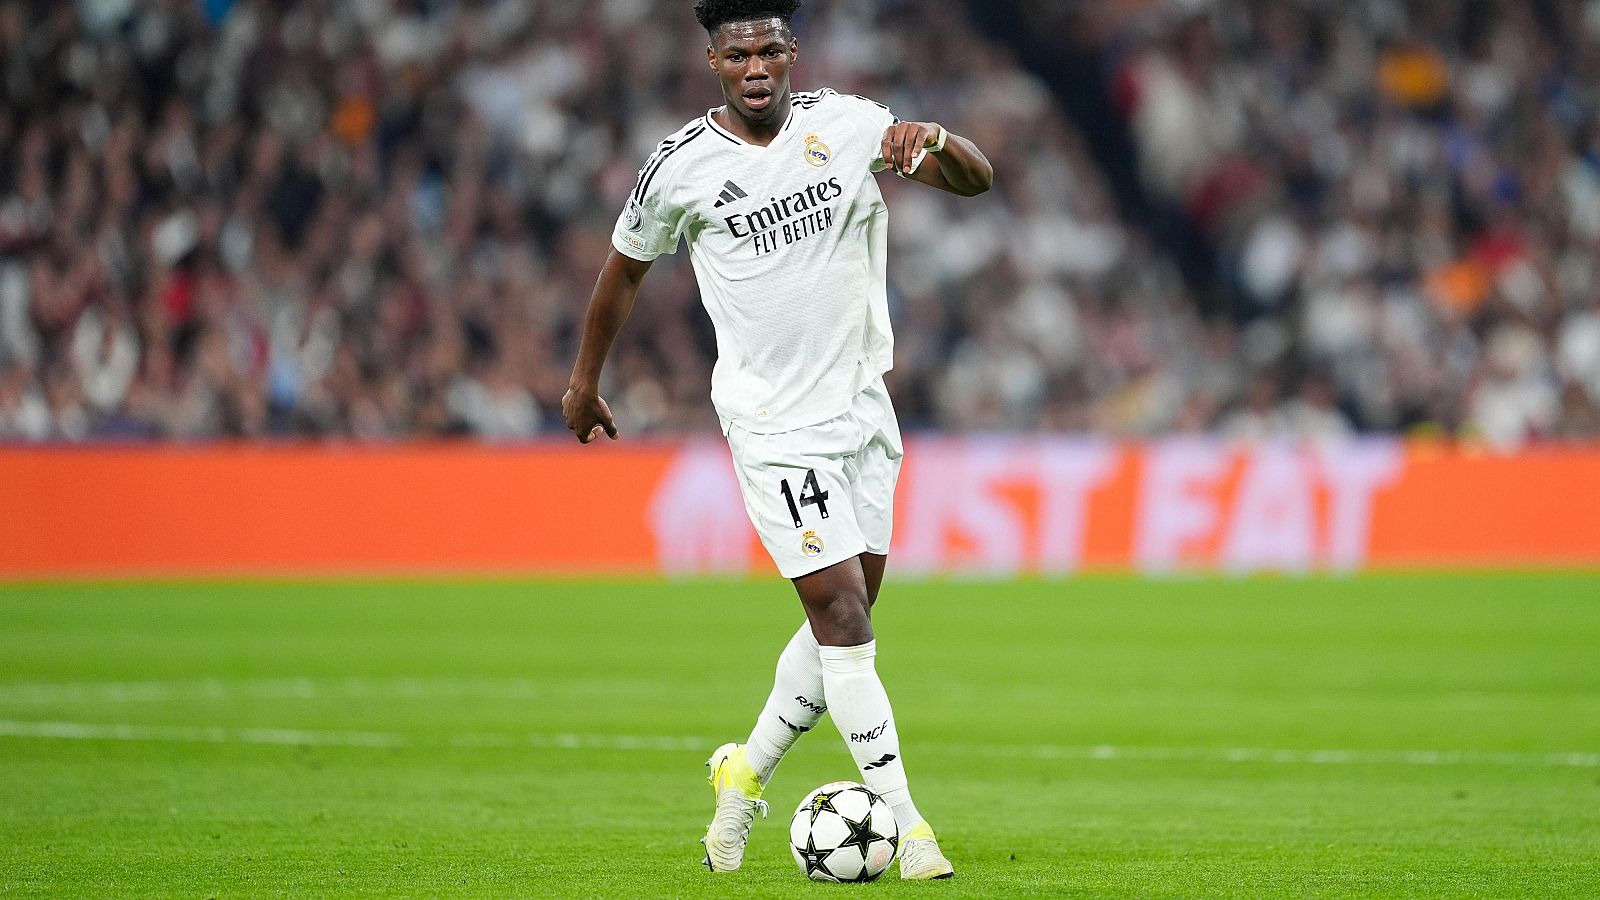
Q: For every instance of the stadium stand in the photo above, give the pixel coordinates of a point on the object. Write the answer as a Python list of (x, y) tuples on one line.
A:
[(380, 220)]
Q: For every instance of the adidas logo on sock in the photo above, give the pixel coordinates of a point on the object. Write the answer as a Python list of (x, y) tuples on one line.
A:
[(730, 193), (887, 758)]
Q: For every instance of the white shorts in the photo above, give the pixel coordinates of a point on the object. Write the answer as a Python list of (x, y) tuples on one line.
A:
[(824, 493)]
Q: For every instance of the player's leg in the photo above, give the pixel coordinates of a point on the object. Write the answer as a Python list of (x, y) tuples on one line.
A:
[(839, 601), (796, 703), (799, 504), (794, 499), (872, 566), (836, 600), (875, 469), (793, 708)]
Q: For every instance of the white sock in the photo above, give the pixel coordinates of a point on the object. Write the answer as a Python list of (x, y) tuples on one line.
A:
[(793, 708), (861, 710)]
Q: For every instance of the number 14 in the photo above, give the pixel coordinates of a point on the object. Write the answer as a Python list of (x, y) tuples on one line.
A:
[(816, 497)]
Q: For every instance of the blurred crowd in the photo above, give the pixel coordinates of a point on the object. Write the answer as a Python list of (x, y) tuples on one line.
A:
[(381, 219)]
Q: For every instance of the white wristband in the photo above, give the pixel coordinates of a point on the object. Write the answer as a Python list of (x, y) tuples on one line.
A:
[(939, 144)]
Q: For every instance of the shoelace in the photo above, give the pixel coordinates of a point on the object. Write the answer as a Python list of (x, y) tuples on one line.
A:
[(746, 815), (916, 851)]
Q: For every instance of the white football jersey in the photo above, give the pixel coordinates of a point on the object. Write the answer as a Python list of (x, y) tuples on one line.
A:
[(788, 243)]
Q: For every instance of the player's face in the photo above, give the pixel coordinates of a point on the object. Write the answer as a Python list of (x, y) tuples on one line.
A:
[(752, 61)]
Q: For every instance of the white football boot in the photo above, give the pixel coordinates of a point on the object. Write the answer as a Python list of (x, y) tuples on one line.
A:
[(738, 791), (920, 859)]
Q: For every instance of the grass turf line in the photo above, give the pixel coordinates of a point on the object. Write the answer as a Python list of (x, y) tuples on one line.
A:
[(1480, 664)]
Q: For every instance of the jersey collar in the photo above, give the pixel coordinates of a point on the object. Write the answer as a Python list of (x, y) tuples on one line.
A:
[(794, 113)]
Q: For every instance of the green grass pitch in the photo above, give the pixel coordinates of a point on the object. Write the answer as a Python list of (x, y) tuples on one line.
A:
[(1367, 736)]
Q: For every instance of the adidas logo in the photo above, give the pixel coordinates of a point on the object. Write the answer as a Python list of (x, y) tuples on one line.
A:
[(792, 726), (883, 761), (730, 193)]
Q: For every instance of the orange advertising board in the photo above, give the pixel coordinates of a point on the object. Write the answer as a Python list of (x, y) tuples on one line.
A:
[(996, 505)]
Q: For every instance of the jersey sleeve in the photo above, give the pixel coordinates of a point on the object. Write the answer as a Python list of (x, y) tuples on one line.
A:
[(880, 118), (650, 224)]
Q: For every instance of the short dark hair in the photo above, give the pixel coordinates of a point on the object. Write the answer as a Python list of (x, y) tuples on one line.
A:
[(714, 14)]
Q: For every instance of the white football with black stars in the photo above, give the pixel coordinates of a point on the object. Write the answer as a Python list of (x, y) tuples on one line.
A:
[(843, 832)]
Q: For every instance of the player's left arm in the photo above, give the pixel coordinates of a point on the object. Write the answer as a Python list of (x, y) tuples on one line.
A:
[(958, 167)]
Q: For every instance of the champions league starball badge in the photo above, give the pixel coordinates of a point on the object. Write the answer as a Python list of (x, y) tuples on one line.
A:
[(632, 218)]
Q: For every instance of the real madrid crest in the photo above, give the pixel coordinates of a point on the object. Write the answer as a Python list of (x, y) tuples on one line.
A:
[(810, 544), (817, 152)]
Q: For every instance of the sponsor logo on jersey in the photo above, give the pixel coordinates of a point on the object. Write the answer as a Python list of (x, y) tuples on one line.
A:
[(817, 152), (788, 219), (874, 734), (810, 544), (781, 209)]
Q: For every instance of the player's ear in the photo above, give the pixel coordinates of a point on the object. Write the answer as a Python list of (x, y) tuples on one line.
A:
[(794, 50), (711, 56)]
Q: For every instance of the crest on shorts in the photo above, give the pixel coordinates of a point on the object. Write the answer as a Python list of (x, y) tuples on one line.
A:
[(810, 544), (817, 153)]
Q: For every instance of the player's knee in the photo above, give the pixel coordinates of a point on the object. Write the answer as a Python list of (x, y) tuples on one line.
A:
[(845, 619)]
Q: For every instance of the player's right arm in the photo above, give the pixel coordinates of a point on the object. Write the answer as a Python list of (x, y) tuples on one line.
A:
[(650, 225), (585, 411)]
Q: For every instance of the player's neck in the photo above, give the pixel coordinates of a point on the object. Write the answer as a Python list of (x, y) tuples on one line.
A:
[(759, 134)]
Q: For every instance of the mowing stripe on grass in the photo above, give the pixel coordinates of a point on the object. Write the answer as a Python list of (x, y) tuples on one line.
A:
[(85, 731), (1309, 757), (305, 688), (290, 688)]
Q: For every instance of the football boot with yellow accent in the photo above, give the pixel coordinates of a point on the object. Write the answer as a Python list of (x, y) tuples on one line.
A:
[(920, 859), (738, 791)]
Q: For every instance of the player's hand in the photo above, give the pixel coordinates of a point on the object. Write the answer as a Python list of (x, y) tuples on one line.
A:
[(587, 415), (902, 140)]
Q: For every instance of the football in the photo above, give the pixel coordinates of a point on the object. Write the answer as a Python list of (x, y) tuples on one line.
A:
[(843, 832)]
